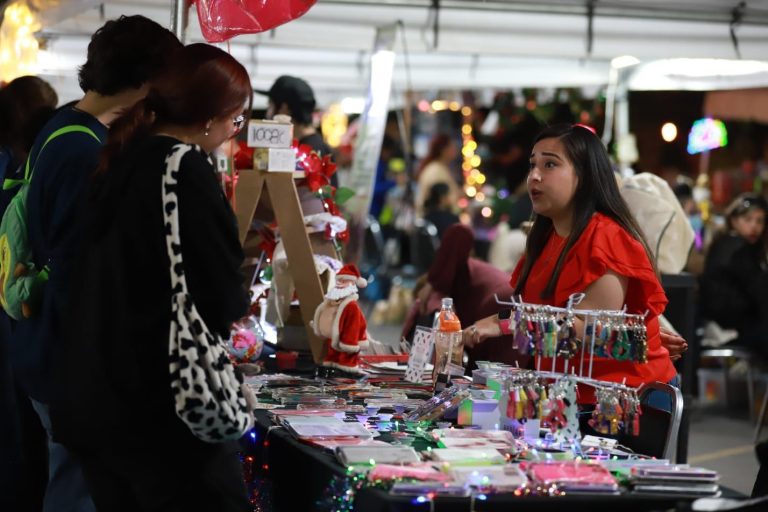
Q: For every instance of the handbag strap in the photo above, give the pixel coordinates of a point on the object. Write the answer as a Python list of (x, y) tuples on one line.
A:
[(171, 216)]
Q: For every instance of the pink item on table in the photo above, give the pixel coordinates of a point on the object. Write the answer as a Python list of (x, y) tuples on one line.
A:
[(571, 472), (425, 472)]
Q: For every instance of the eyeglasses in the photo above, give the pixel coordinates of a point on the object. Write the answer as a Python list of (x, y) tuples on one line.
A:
[(239, 121)]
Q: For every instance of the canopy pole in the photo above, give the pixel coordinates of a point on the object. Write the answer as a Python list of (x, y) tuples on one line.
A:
[(180, 19)]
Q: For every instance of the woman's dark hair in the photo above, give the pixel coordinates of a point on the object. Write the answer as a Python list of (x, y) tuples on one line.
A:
[(436, 147), (26, 104), (597, 191), (125, 54), (203, 83), (436, 195), (743, 204)]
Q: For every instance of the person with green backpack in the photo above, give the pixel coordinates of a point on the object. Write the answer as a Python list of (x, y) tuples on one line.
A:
[(26, 104), (43, 226)]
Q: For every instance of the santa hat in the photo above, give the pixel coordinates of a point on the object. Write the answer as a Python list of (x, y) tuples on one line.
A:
[(350, 272)]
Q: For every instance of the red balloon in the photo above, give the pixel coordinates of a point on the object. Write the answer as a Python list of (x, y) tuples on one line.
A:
[(223, 19)]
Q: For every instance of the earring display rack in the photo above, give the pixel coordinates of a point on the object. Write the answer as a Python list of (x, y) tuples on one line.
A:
[(548, 331)]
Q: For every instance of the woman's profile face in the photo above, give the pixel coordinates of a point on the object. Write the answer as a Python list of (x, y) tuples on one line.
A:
[(224, 128), (552, 179), (750, 225)]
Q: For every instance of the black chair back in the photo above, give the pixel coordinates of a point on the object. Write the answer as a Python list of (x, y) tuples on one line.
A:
[(654, 426), (424, 245)]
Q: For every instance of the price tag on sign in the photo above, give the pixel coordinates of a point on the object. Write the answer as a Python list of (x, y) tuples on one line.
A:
[(421, 352), (269, 134)]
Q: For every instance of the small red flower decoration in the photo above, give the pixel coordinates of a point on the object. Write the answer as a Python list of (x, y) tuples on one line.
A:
[(268, 242)]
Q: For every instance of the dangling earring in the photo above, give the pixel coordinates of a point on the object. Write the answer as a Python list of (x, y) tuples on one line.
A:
[(207, 127)]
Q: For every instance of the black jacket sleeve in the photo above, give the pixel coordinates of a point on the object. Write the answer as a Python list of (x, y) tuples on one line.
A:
[(725, 283), (210, 246)]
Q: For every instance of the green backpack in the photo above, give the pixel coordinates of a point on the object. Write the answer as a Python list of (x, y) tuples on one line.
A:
[(20, 282)]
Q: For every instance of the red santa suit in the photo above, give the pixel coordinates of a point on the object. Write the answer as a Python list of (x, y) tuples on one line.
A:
[(347, 333)]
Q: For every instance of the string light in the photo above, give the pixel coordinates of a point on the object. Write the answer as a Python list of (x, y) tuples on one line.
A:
[(470, 159), (439, 105), (18, 47), (669, 132), (334, 125)]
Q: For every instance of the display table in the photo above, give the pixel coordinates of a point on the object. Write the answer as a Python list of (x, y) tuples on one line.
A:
[(301, 474)]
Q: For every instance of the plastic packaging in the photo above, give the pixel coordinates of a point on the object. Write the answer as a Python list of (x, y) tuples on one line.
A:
[(246, 341), (223, 19)]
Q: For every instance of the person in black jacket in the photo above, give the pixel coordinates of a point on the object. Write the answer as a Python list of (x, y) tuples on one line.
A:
[(735, 274), (113, 405), (26, 104)]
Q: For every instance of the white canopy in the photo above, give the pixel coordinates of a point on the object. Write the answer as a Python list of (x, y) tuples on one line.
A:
[(480, 44)]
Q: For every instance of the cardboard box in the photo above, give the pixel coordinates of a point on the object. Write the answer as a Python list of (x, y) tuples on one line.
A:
[(482, 412), (274, 159), (712, 386), (269, 134)]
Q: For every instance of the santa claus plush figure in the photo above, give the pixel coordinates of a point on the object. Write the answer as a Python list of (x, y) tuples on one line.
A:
[(340, 321)]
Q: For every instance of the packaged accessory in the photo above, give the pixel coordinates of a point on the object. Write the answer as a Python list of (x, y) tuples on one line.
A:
[(206, 389), (507, 324)]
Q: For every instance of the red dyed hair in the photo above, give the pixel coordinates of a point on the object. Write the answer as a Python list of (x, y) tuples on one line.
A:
[(436, 146), (203, 83)]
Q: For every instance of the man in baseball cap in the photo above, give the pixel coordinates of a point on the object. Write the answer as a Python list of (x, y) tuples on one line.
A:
[(292, 96)]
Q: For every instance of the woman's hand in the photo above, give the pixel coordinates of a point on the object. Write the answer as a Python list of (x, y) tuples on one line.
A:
[(423, 296), (674, 344), (481, 330)]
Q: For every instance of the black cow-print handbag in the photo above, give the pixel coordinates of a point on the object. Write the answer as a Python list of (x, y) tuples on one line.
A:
[(206, 388)]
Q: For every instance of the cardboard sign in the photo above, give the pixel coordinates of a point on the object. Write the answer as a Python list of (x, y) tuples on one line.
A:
[(421, 352), (274, 159), (269, 134)]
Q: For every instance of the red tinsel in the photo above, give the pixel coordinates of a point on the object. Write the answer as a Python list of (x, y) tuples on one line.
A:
[(243, 156), (268, 242), (318, 171)]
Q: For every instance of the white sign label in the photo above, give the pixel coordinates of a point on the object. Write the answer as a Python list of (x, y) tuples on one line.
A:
[(281, 160), (269, 134), (421, 351), (222, 163)]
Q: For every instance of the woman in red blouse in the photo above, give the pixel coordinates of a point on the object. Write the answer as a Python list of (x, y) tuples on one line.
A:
[(584, 239)]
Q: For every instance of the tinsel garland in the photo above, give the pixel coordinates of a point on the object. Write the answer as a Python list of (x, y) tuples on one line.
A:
[(341, 492)]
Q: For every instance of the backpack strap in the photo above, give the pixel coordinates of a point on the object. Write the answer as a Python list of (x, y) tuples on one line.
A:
[(10, 183)]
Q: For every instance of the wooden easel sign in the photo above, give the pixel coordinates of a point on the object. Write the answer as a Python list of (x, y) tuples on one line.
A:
[(286, 206)]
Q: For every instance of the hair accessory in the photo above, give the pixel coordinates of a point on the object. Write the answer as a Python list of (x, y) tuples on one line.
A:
[(586, 127)]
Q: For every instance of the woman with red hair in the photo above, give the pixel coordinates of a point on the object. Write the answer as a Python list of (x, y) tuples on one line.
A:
[(114, 406)]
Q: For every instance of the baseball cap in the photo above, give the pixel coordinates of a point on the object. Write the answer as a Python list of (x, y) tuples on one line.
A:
[(293, 91)]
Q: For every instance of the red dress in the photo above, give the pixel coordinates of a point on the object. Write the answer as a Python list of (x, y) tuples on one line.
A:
[(604, 245)]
